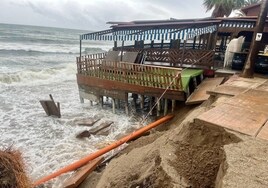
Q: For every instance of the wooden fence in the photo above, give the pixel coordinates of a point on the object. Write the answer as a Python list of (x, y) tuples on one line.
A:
[(136, 74)]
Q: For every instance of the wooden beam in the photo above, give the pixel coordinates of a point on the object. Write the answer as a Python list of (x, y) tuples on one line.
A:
[(80, 175), (115, 86)]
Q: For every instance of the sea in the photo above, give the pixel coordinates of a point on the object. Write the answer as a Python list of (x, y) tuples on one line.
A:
[(35, 62)]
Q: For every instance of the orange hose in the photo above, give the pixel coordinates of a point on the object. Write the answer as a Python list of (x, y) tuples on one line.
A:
[(102, 151)]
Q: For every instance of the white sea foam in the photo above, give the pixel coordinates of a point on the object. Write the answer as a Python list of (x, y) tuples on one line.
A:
[(47, 143), (34, 76)]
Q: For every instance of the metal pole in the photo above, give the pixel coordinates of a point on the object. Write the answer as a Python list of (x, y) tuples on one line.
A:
[(80, 48)]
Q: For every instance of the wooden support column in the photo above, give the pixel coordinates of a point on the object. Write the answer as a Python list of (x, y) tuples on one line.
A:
[(183, 52), (113, 104), (122, 48), (214, 42), (165, 106), (199, 43), (101, 101), (126, 104), (204, 42), (115, 44), (81, 99), (142, 102), (173, 105), (162, 44), (194, 42), (152, 44), (194, 82), (209, 41), (158, 107)]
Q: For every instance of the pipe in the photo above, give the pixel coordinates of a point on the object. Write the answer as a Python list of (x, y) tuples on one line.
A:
[(104, 150)]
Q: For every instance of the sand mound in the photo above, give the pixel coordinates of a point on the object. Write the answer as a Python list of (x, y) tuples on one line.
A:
[(188, 155), (12, 173)]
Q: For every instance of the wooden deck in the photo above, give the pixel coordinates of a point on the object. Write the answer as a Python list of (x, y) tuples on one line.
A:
[(117, 78)]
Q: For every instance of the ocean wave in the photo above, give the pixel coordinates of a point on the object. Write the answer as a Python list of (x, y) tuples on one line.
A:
[(39, 50), (34, 40), (41, 76), (30, 51)]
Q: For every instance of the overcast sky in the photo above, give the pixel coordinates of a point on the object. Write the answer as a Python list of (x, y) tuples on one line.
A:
[(93, 14)]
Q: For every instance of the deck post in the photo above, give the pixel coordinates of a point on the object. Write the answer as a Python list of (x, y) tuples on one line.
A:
[(126, 103), (173, 105), (122, 48), (195, 82), (165, 106), (81, 99), (142, 102), (194, 42), (91, 103), (101, 101), (158, 107), (113, 104)]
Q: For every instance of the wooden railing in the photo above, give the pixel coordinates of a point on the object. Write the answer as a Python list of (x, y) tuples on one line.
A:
[(93, 56), (137, 74), (178, 57)]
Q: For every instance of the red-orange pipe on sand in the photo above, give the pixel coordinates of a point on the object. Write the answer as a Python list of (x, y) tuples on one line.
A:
[(102, 151)]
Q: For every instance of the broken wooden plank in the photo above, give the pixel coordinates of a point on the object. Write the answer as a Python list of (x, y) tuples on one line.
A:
[(200, 94), (94, 131), (87, 122), (80, 175), (104, 132), (226, 90), (101, 127), (45, 107), (234, 118), (50, 107)]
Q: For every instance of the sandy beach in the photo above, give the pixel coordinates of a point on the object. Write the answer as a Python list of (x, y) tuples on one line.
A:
[(185, 154)]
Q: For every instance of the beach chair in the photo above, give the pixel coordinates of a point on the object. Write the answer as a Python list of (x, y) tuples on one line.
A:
[(130, 57), (134, 57), (112, 56)]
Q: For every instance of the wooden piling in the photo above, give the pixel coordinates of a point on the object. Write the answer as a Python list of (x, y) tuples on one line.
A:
[(126, 104), (101, 101), (165, 106), (158, 107), (142, 102), (113, 104), (81, 99), (173, 104)]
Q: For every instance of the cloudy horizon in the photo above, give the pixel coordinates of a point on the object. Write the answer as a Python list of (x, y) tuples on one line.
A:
[(93, 14)]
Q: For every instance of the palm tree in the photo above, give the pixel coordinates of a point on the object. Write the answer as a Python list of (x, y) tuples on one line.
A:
[(223, 8)]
